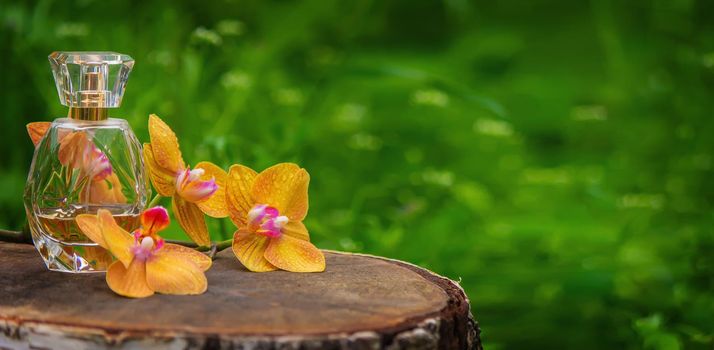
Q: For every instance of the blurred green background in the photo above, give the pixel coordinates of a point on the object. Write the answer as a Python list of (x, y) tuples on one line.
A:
[(554, 157)]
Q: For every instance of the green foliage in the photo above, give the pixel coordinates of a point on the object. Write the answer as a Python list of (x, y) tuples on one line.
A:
[(554, 158)]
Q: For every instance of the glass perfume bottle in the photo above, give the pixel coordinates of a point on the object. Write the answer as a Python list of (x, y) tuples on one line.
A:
[(84, 162)]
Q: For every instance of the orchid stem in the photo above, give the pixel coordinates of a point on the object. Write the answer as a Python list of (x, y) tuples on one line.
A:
[(213, 251), (217, 246), (15, 236), (220, 245), (24, 236), (155, 201)]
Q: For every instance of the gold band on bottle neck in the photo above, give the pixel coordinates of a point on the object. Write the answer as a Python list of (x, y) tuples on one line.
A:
[(88, 113)]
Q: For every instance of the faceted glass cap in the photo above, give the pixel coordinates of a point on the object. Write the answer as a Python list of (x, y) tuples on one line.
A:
[(90, 79)]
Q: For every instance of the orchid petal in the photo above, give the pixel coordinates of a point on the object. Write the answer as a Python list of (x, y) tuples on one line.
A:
[(37, 131), (154, 220), (283, 186), (162, 179), (215, 205), (201, 260), (107, 191), (89, 224), (192, 221), (294, 255), (130, 281), (98, 257), (165, 145), (169, 273), (249, 248), (296, 229), (118, 241), (72, 148), (238, 193)]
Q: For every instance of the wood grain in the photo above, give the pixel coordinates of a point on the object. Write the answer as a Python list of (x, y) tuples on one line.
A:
[(359, 302)]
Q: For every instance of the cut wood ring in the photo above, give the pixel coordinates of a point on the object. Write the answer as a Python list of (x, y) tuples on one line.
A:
[(359, 302)]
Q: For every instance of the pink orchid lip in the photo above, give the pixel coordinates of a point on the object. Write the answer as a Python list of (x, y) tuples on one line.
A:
[(266, 220), (146, 244), (260, 212), (146, 240), (190, 186), (145, 247), (98, 164), (154, 220)]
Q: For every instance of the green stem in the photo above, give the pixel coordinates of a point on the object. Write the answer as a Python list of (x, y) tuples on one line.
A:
[(220, 245), (23, 236), (224, 244), (155, 201), (15, 236)]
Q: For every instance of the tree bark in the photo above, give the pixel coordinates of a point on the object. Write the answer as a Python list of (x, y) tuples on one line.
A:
[(359, 302)]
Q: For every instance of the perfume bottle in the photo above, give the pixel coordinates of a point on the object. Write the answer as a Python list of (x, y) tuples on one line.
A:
[(84, 162)]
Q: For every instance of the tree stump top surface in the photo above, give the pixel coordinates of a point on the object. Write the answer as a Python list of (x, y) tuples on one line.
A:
[(356, 293)]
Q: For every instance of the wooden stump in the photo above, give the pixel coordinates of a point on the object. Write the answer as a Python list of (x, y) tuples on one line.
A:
[(359, 302)]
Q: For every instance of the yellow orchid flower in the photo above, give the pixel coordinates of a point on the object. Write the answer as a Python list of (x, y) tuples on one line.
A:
[(194, 192), (145, 264), (77, 151), (268, 209)]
